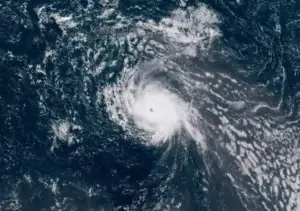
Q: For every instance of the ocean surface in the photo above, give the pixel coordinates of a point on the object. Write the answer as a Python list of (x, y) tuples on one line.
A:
[(149, 105)]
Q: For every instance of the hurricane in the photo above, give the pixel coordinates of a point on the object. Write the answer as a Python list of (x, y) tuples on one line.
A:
[(143, 102)]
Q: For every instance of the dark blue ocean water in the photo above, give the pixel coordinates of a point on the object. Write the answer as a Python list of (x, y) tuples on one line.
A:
[(104, 169)]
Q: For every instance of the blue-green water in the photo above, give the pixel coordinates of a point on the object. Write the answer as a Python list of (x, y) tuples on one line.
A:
[(65, 145)]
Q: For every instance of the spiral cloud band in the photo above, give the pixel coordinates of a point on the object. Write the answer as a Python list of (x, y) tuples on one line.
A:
[(169, 96)]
